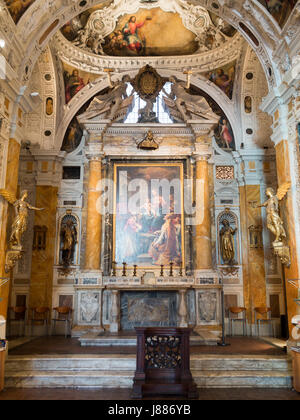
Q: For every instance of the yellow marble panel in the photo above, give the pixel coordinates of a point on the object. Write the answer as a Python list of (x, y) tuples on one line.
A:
[(287, 213), (41, 281), (93, 226)]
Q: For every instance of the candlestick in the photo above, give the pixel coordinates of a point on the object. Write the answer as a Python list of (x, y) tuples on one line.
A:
[(171, 269), (124, 269), (114, 272), (134, 270), (161, 271)]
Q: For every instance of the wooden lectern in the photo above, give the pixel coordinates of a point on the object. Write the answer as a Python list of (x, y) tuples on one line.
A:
[(163, 363)]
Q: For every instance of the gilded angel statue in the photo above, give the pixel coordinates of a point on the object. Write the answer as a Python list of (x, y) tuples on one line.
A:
[(19, 225), (274, 222)]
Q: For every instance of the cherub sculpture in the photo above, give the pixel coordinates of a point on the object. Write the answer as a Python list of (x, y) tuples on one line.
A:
[(19, 225)]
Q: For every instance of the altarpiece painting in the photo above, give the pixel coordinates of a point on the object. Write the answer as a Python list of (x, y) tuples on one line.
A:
[(148, 224)]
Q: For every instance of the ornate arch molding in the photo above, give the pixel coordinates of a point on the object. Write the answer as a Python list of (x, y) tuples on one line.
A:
[(32, 26), (89, 62), (98, 85)]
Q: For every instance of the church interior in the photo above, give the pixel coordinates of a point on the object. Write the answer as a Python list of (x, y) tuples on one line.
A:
[(149, 179)]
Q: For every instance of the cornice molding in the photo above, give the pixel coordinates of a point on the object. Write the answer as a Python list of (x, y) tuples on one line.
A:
[(92, 63)]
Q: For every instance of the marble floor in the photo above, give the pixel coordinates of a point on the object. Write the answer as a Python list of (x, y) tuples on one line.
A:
[(61, 345)]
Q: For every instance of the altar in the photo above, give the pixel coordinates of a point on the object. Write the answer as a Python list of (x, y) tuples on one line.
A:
[(120, 304)]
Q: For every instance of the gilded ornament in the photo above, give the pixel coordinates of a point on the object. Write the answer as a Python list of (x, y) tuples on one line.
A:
[(275, 223), (19, 226)]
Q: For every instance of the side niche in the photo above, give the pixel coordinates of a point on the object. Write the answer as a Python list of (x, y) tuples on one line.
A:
[(68, 240), (227, 225)]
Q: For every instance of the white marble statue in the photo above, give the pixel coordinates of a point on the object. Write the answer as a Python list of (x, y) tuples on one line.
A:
[(108, 103), (189, 106)]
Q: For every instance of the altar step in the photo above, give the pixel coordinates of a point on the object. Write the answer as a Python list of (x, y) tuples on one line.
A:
[(202, 338), (117, 371)]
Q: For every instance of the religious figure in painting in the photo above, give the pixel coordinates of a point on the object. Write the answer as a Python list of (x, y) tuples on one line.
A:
[(72, 137), (131, 36), (227, 242), (19, 225), (224, 80), (49, 106), (69, 239), (131, 229), (225, 134), (73, 84), (165, 248)]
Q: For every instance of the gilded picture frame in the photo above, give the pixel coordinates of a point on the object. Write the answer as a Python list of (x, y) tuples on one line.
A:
[(141, 238)]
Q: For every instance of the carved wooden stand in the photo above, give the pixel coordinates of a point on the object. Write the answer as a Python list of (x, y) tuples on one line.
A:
[(163, 363)]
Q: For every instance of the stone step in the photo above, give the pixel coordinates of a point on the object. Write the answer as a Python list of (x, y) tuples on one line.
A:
[(108, 379), (128, 362), (95, 339)]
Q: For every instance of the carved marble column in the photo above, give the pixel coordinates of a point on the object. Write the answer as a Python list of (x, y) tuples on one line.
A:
[(94, 218), (203, 220), (115, 311), (182, 309)]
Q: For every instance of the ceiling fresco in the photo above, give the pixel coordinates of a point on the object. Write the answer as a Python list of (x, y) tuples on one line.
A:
[(146, 32), (279, 9), (17, 8), (150, 33), (223, 77)]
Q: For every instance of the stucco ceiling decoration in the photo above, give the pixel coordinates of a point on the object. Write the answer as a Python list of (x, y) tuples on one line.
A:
[(23, 48), (119, 24), (89, 62)]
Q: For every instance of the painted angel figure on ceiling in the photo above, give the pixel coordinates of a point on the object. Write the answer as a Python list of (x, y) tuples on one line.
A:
[(19, 225)]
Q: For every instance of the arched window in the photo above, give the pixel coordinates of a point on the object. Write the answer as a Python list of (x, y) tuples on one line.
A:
[(162, 115)]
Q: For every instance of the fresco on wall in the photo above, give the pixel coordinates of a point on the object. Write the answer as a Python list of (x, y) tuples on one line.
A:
[(279, 9), (72, 137), (223, 132), (151, 228), (75, 80), (17, 8), (74, 132), (223, 77)]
